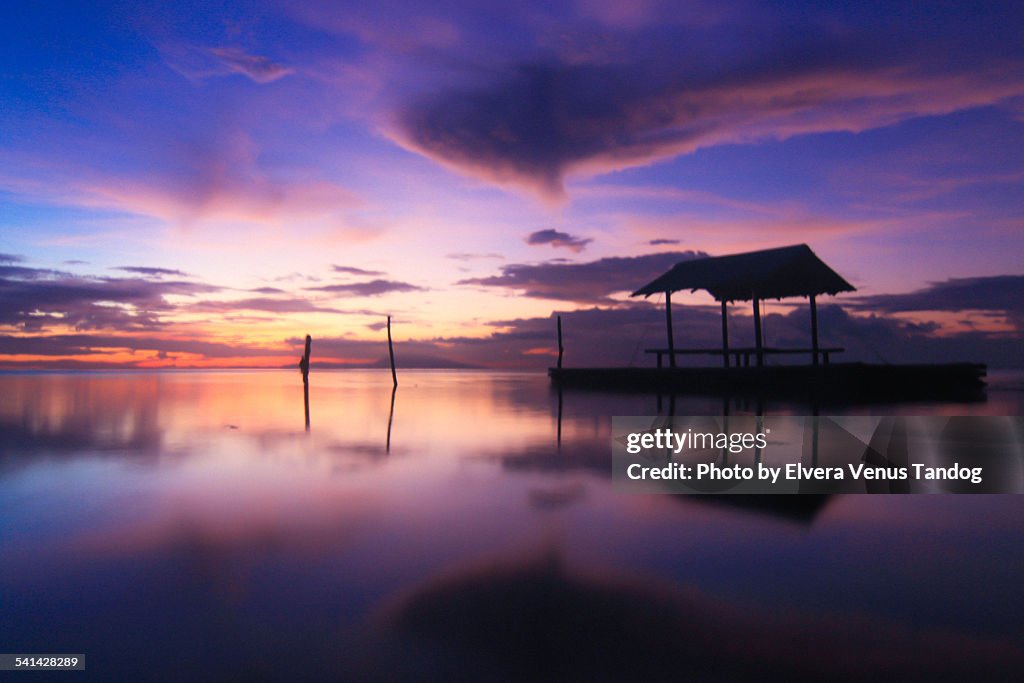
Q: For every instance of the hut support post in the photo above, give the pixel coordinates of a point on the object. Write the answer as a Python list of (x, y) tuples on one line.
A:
[(814, 330), (561, 349), (725, 334), (758, 341), (668, 324), (391, 355)]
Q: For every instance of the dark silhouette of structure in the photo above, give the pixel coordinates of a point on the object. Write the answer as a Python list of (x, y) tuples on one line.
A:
[(561, 347), (753, 276), (784, 272), (304, 368)]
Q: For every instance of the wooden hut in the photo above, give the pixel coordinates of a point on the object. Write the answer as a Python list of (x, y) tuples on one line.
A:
[(780, 273)]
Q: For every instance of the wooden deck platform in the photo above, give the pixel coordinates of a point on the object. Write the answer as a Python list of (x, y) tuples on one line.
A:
[(836, 382)]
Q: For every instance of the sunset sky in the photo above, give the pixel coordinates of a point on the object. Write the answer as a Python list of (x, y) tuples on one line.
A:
[(202, 184)]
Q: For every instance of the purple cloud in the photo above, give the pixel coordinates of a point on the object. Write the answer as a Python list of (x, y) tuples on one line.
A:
[(267, 304), (351, 270), (558, 239), (34, 299), (992, 293), (371, 288), (95, 344), (536, 121), (152, 272), (592, 282)]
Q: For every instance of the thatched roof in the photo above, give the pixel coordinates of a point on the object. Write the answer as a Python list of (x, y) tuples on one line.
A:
[(767, 274)]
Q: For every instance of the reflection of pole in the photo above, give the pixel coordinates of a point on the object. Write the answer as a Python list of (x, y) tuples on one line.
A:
[(304, 368), (760, 430), (305, 400), (725, 334), (725, 427), (814, 436), (814, 443), (391, 416), (814, 330), (558, 438), (758, 339), (391, 354)]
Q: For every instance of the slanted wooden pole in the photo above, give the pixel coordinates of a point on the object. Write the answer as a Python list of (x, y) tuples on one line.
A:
[(758, 341), (814, 329), (725, 335), (304, 368), (561, 349), (668, 323), (391, 354), (304, 361)]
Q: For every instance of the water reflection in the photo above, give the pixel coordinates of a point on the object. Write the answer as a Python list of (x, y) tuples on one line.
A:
[(391, 418), (539, 620), (159, 514)]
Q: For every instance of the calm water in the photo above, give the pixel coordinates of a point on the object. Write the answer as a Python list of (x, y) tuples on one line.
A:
[(185, 526)]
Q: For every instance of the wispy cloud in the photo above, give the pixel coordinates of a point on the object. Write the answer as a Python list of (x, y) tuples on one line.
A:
[(351, 270), (468, 256), (152, 272), (267, 304), (371, 288), (256, 67), (220, 177), (198, 62), (219, 189)]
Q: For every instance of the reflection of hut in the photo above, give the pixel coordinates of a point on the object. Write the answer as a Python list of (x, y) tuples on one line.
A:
[(753, 276), (540, 619)]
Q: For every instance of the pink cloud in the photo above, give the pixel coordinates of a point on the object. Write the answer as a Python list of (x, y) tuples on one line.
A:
[(256, 67)]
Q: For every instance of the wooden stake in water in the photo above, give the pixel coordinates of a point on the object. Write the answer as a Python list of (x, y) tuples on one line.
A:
[(304, 367), (561, 349), (391, 353)]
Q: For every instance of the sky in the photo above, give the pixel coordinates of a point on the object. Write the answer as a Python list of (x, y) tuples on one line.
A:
[(202, 184)]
